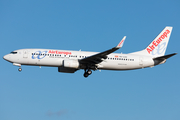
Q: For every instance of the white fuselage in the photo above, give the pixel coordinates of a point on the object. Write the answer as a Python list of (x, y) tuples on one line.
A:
[(70, 61), (55, 58)]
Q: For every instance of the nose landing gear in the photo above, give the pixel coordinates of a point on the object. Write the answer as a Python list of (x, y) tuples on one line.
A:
[(20, 69), (19, 65), (87, 73)]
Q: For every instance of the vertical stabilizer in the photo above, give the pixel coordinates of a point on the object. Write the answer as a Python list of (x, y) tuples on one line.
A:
[(158, 46)]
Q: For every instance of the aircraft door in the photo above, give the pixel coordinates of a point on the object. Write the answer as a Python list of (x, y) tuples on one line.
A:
[(25, 54), (141, 61)]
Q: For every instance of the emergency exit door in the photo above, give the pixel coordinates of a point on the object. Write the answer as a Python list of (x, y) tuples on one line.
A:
[(25, 54)]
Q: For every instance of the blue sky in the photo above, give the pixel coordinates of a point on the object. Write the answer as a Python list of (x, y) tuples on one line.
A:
[(96, 25)]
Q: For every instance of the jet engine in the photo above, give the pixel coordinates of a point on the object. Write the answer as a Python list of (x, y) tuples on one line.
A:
[(71, 64)]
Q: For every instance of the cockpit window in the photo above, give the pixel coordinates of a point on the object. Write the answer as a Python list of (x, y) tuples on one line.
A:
[(13, 52)]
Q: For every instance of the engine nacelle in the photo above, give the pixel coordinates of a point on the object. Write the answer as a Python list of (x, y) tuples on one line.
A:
[(66, 70), (71, 64)]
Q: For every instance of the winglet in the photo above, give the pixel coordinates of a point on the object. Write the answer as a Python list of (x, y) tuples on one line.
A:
[(121, 42)]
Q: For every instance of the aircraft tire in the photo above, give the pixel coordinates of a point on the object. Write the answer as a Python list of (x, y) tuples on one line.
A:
[(86, 74), (89, 72), (20, 69)]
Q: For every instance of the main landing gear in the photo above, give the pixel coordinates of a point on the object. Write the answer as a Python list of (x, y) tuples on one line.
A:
[(87, 72), (20, 69), (19, 65)]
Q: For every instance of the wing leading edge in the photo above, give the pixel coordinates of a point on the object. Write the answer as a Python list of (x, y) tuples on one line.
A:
[(97, 58)]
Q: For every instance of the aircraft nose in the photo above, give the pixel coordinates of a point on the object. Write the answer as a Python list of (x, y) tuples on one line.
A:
[(6, 57)]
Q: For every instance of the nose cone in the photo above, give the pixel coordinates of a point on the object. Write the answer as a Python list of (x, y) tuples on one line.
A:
[(6, 57)]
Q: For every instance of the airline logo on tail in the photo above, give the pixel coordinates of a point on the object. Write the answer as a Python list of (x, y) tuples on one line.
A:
[(156, 43)]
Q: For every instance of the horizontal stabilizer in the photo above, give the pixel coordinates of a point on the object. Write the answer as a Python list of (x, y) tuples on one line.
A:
[(165, 57), (162, 59)]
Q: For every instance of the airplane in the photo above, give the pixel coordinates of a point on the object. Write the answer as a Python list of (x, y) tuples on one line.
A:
[(70, 61)]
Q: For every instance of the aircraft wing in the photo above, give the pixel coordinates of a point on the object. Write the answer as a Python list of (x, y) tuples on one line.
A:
[(97, 58)]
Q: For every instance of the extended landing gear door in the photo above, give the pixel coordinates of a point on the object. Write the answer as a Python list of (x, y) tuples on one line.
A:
[(25, 54)]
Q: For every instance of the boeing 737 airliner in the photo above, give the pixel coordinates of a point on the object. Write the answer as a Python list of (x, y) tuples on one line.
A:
[(71, 61)]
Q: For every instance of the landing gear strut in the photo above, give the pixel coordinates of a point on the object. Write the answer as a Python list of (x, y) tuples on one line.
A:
[(87, 72), (20, 69)]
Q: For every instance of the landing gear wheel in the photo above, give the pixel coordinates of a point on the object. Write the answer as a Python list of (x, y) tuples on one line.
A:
[(89, 72), (20, 69), (86, 74)]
